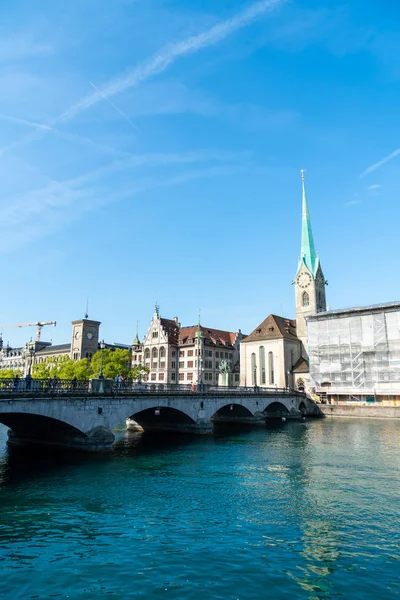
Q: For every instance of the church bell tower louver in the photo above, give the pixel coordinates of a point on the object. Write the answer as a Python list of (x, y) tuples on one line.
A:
[(309, 281)]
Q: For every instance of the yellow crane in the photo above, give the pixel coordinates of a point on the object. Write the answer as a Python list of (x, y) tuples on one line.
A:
[(38, 324)]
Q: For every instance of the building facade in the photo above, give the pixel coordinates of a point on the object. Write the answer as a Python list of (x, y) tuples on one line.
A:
[(275, 354), (355, 353), (188, 355)]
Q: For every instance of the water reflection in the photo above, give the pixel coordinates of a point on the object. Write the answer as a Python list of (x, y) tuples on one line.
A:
[(296, 510)]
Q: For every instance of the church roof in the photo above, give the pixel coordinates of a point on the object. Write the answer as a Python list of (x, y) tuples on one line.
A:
[(301, 366), (273, 328), (308, 255)]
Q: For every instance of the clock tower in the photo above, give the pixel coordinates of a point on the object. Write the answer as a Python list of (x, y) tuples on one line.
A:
[(85, 339), (309, 281)]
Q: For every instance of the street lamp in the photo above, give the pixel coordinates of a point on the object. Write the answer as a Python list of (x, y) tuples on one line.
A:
[(102, 346), (31, 353)]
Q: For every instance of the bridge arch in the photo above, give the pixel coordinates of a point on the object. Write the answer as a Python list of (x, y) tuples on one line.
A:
[(276, 410), (162, 417), (232, 412), (30, 426)]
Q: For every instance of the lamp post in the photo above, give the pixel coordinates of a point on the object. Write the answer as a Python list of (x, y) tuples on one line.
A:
[(102, 346), (31, 354)]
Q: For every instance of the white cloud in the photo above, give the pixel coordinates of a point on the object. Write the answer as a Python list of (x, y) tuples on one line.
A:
[(19, 46), (372, 188)]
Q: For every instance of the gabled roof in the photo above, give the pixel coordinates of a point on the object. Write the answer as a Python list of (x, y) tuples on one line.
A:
[(171, 328), (273, 328), (301, 366), (215, 336)]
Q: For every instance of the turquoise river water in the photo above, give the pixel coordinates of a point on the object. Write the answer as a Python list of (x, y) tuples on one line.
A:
[(300, 510)]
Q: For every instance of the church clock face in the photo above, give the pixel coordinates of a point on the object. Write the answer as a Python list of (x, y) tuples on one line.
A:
[(303, 280)]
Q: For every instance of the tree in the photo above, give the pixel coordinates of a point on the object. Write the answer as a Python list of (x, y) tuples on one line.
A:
[(10, 373), (115, 362), (138, 372)]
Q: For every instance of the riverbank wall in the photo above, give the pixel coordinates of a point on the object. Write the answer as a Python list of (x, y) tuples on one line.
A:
[(363, 411)]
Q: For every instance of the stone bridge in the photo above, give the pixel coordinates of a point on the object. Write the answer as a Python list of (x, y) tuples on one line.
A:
[(86, 421)]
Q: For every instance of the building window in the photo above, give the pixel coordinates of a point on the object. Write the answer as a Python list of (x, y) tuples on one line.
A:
[(217, 364), (190, 364), (306, 299), (76, 355), (262, 364), (190, 376), (147, 353), (162, 352), (181, 376), (154, 353), (161, 377), (140, 358), (153, 376), (155, 334), (173, 353), (237, 376), (154, 365), (209, 352), (162, 365), (217, 355), (181, 364), (253, 369), (271, 368), (190, 352), (173, 377), (134, 358), (173, 365), (181, 353)]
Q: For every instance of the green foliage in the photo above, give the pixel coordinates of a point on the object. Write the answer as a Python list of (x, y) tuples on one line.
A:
[(115, 362), (138, 372), (10, 373)]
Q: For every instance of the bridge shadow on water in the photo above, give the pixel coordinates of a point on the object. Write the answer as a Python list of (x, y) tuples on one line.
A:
[(23, 464)]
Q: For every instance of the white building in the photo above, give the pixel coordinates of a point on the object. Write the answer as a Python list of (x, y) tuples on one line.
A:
[(187, 355)]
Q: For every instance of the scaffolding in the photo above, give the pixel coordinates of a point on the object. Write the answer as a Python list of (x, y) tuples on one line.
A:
[(356, 352)]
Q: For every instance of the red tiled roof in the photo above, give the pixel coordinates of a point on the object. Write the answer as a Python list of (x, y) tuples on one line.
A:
[(215, 336), (171, 328)]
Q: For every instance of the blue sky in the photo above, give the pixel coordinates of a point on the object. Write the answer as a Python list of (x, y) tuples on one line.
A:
[(150, 151)]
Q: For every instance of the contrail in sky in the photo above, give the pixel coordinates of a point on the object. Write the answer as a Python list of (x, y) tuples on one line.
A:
[(381, 163), (115, 107), (160, 61)]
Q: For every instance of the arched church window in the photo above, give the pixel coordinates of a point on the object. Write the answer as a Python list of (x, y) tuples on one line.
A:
[(262, 364), (147, 353), (154, 353), (253, 369), (162, 352), (306, 299), (271, 368)]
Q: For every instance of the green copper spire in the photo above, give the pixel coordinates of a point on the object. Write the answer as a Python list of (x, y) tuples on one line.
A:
[(199, 333), (308, 254)]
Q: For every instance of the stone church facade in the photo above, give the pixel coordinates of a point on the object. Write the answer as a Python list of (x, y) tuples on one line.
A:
[(275, 354)]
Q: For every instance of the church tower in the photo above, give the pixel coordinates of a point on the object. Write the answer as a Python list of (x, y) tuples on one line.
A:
[(309, 281)]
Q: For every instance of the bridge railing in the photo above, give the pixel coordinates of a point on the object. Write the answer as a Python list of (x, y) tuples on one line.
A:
[(43, 386), (73, 387)]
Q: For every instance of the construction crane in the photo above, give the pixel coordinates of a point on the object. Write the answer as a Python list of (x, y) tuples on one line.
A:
[(38, 324)]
